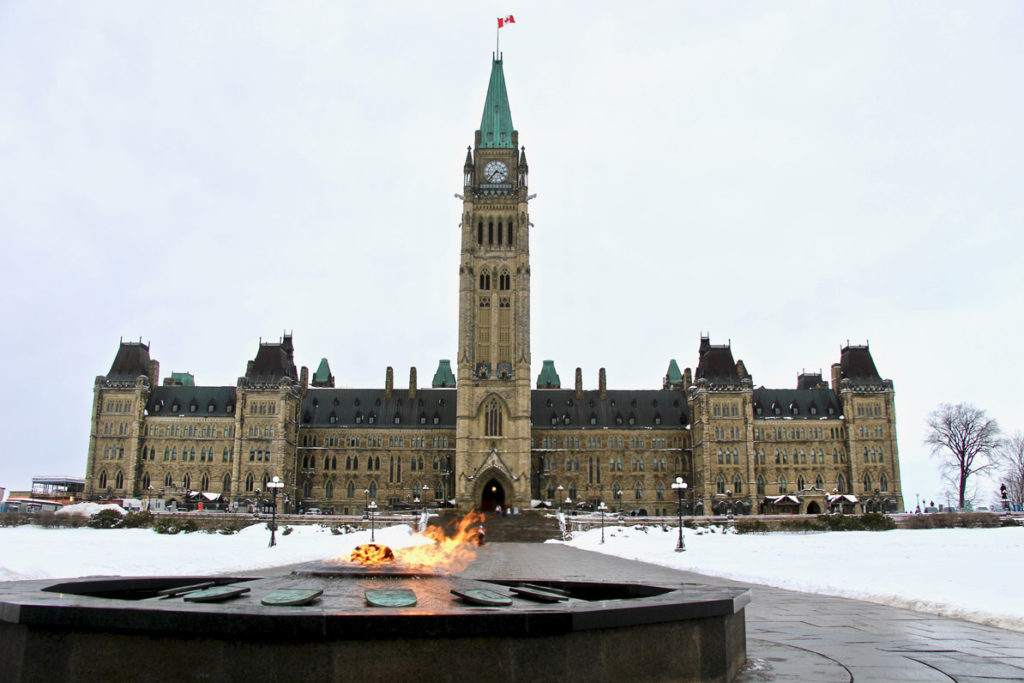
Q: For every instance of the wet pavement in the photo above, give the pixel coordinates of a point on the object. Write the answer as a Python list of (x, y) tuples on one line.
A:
[(793, 636)]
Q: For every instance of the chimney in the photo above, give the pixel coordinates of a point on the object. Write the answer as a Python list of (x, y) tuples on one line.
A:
[(837, 374), (154, 372), (304, 378), (741, 369), (687, 379), (579, 384), (412, 382), (602, 383), (389, 382)]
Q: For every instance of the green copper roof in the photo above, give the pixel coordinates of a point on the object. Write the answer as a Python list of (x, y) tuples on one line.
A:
[(496, 123), (323, 373), (185, 379), (673, 372), (548, 378), (443, 378)]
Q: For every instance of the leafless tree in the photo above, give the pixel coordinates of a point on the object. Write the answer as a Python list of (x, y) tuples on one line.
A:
[(963, 438), (1010, 459)]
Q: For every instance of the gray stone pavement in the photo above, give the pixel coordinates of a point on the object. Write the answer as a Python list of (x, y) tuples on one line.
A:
[(793, 636)]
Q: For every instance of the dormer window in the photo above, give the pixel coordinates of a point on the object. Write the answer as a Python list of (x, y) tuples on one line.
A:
[(632, 419), (423, 419), (229, 408), (333, 419), (371, 418), (593, 419), (175, 407), (359, 418), (210, 408), (157, 407), (397, 420)]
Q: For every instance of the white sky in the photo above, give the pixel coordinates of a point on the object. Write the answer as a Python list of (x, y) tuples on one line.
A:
[(789, 176)]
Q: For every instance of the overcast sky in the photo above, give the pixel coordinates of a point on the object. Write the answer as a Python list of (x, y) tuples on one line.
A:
[(787, 176)]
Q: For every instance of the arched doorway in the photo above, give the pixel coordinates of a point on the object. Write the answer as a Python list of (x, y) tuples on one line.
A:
[(492, 496), (813, 508)]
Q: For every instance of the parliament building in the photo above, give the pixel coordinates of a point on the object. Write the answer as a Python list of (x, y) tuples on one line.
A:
[(487, 433)]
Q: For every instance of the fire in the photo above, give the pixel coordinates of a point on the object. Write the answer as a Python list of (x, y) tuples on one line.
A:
[(450, 553), (371, 554)]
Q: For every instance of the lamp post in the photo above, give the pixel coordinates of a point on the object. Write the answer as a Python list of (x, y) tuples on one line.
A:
[(372, 507), (568, 504), (601, 508), (680, 486), (366, 502), (274, 484), (560, 489), (618, 495), (426, 489)]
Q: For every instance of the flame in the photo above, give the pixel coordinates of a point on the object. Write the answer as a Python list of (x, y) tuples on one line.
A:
[(371, 554), (450, 553)]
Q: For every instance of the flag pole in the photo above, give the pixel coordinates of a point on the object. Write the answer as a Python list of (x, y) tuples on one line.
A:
[(497, 40)]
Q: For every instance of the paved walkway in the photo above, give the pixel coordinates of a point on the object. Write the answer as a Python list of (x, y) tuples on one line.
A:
[(794, 636)]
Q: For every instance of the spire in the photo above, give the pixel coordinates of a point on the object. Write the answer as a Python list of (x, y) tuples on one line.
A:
[(496, 123), (469, 158)]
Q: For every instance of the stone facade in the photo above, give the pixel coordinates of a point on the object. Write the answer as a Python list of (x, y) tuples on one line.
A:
[(483, 437)]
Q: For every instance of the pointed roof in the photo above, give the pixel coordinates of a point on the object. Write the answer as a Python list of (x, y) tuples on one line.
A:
[(548, 377), (673, 376), (496, 123), (443, 378), (323, 377), (132, 360)]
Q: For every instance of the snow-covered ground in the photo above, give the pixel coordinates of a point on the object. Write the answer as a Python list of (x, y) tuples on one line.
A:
[(972, 574), (31, 552), (968, 573)]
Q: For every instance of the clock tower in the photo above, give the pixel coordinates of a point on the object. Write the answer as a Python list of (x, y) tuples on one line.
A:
[(493, 422)]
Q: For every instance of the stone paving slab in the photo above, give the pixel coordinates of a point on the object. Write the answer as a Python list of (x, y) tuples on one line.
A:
[(795, 636)]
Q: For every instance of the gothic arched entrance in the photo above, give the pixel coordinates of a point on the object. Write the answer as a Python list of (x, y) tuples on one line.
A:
[(492, 496), (813, 508)]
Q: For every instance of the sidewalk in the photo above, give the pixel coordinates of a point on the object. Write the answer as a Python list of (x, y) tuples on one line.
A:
[(794, 636)]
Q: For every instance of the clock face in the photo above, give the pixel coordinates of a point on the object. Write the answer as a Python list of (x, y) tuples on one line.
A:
[(495, 172)]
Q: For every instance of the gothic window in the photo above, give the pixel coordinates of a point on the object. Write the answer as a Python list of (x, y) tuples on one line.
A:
[(204, 484), (307, 488), (493, 418), (800, 484), (867, 481), (145, 480), (186, 482), (350, 489), (167, 452), (373, 490), (227, 483), (490, 232), (167, 481), (480, 233), (883, 482), (329, 490), (760, 485), (118, 480), (819, 483), (638, 490), (500, 232), (782, 483), (485, 281), (659, 490), (841, 484), (103, 480), (504, 281), (720, 484), (376, 463), (509, 226)]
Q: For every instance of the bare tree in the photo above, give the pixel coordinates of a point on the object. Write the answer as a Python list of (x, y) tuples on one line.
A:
[(1010, 458), (963, 438)]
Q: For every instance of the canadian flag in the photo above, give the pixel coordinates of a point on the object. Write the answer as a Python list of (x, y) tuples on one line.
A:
[(506, 20)]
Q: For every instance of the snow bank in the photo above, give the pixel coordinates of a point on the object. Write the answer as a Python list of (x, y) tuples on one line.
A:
[(88, 509), (970, 574), (31, 552)]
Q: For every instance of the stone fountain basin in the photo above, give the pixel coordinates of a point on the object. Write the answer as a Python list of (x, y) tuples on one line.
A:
[(116, 627)]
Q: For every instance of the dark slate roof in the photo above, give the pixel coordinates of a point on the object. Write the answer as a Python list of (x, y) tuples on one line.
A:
[(273, 361), (801, 399), (856, 365), (178, 400), (346, 404), (644, 406), (808, 380), (716, 364), (132, 360)]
